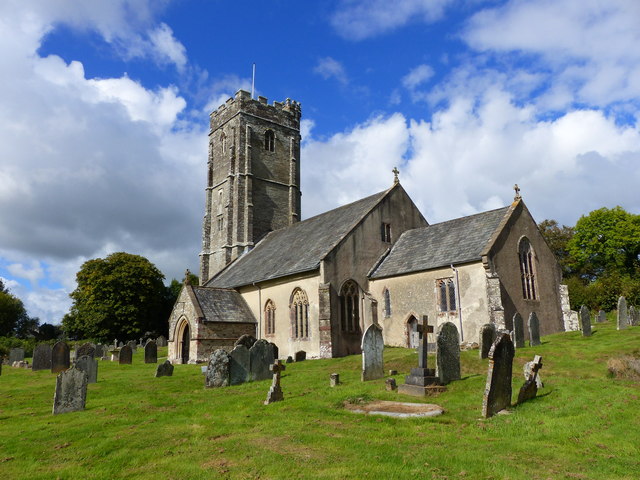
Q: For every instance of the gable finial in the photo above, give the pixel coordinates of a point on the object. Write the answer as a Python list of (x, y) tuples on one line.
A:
[(187, 274), (517, 190), (395, 175)]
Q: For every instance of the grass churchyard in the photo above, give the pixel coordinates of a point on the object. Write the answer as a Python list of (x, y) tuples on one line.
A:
[(584, 423)]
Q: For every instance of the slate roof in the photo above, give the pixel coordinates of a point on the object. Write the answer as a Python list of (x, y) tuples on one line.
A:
[(456, 241), (222, 305), (297, 248)]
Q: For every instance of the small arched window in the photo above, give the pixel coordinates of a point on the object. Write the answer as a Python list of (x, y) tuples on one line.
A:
[(387, 302), (299, 312), (269, 318), (446, 295), (350, 307), (527, 269), (269, 141)]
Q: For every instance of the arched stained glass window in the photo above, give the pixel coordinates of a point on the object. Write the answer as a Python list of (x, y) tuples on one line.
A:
[(299, 313), (527, 269)]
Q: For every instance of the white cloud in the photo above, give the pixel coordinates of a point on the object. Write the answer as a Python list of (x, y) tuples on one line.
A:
[(331, 68), (417, 76), (167, 47)]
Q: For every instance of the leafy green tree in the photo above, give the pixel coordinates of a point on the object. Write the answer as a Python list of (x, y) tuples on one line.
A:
[(558, 240), (12, 313), (121, 296), (47, 331), (174, 288)]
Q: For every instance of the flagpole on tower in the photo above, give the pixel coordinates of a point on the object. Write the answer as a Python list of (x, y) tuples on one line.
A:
[(253, 81)]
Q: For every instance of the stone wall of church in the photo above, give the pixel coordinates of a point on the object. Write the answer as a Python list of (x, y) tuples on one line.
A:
[(416, 294)]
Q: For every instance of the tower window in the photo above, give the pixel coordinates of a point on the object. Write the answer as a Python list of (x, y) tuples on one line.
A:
[(527, 270), (446, 295), (385, 231), (269, 141)]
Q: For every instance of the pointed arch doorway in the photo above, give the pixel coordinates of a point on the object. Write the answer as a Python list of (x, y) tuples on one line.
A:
[(184, 341)]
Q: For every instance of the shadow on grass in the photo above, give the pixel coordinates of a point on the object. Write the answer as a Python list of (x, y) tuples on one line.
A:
[(471, 376)]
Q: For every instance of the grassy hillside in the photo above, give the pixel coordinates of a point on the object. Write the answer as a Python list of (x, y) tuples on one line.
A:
[(583, 424)]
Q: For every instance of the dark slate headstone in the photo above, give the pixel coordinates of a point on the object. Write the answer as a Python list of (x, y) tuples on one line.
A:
[(161, 341), (60, 357), (585, 321), (276, 350), (239, 365), (487, 337), (301, 356), (101, 351), (518, 328), (246, 340), (289, 359), (217, 374), (71, 391), (602, 317), (164, 369), (88, 365), (534, 329), (497, 393), (16, 355), (448, 353), (41, 357), (126, 355), (372, 353), (623, 318), (86, 349), (151, 352), (262, 357)]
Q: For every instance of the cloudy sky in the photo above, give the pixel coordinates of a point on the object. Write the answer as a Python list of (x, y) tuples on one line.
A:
[(104, 109)]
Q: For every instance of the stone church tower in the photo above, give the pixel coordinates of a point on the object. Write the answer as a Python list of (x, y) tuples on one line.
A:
[(253, 181)]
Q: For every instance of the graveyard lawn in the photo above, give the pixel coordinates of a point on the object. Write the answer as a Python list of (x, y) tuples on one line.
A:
[(583, 424)]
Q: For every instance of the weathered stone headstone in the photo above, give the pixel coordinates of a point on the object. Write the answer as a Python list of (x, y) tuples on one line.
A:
[(527, 370), (101, 351), (88, 365), (16, 355), (217, 374), (246, 340), (633, 316), (133, 345), (239, 365), (301, 356), (86, 349), (447, 353), (120, 344), (497, 393), (41, 357), (623, 319), (275, 392), (151, 352), (372, 353), (530, 388), (390, 384), (534, 329), (126, 355), (71, 391), (275, 350), (585, 321), (60, 357), (602, 317), (334, 379), (518, 328), (161, 341), (164, 369), (422, 381), (261, 358), (487, 337)]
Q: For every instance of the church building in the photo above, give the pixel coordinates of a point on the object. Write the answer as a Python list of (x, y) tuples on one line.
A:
[(317, 284)]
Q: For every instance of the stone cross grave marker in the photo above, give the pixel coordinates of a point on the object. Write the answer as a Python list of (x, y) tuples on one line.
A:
[(372, 353), (623, 319), (534, 329), (448, 353), (239, 365), (71, 391), (602, 317), (530, 388), (41, 357), (422, 380), (16, 355), (88, 365), (518, 328), (151, 352), (60, 357), (487, 337), (275, 392), (126, 355), (585, 321), (527, 370), (497, 392), (217, 374), (164, 369), (86, 349)]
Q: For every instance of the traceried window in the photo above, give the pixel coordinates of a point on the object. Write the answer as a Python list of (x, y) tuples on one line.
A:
[(269, 318), (387, 302), (446, 295), (350, 307), (299, 312), (385, 232), (269, 141), (527, 270)]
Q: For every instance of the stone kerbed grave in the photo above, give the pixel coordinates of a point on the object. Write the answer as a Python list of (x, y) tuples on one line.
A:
[(448, 353), (497, 393), (487, 337), (372, 353), (585, 321), (60, 357), (275, 391), (71, 391), (530, 388), (518, 328), (164, 369), (534, 329), (396, 409), (42, 357)]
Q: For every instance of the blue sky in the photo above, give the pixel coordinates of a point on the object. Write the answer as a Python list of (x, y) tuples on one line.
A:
[(104, 109)]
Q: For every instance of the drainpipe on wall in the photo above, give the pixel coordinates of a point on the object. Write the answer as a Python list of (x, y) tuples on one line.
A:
[(259, 332), (455, 270)]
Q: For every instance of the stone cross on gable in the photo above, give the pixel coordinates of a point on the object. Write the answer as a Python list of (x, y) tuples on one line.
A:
[(517, 190), (423, 328), (395, 175)]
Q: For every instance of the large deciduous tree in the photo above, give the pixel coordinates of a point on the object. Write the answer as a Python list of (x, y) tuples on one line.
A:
[(121, 296), (12, 313), (558, 238)]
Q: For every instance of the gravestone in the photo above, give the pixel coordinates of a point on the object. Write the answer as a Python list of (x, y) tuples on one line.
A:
[(275, 392), (217, 374), (151, 352), (71, 391), (289, 359), (239, 365), (530, 388), (447, 353), (390, 384), (497, 392), (246, 340), (261, 358), (126, 355), (60, 357), (133, 345), (301, 356), (633, 316), (41, 357), (585, 321), (602, 317), (534, 329), (528, 373), (275, 349), (86, 349), (422, 381), (88, 365), (487, 337), (101, 351), (16, 355), (334, 379), (623, 319), (372, 353), (161, 341), (120, 344), (164, 369), (518, 328)]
